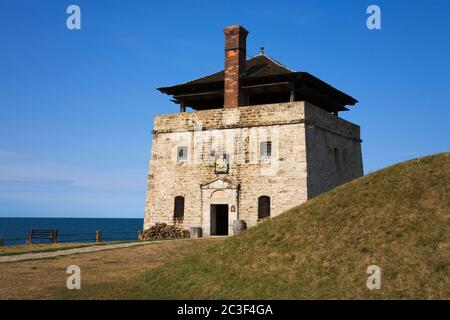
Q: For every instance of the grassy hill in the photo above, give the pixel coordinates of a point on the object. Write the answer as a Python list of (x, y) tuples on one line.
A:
[(397, 218)]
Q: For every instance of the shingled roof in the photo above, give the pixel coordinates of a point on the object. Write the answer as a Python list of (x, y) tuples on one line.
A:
[(262, 70), (259, 66)]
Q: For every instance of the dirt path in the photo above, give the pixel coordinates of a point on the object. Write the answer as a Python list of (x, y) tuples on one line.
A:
[(65, 252)]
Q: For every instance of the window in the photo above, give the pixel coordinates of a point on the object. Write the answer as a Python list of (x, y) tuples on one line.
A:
[(182, 154), (337, 160), (265, 149), (263, 207), (178, 210)]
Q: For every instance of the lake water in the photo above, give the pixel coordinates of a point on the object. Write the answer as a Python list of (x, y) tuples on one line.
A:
[(15, 230)]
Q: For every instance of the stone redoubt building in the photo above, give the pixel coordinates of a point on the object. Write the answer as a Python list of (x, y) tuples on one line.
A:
[(260, 140)]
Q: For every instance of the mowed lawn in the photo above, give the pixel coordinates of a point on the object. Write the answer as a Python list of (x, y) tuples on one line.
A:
[(397, 218), (46, 278)]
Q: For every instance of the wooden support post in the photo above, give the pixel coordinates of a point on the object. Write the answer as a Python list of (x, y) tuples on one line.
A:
[(98, 236), (182, 107), (292, 93)]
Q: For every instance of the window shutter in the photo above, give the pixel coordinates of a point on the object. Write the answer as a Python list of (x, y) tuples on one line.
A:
[(263, 207), (178, 211)]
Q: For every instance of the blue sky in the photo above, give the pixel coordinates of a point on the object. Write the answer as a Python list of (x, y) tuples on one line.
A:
[(76, 106)]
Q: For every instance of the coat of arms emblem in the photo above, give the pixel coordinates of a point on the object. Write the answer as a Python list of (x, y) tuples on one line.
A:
[(221, 166)]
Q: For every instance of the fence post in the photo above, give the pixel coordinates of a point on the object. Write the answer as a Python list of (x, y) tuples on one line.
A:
[(53, 236), (98, 236), (30, 237), (2, 242)]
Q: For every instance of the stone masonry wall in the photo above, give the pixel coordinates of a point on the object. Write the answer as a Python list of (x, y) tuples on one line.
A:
[(298, 131), (333, 150), (238, 133)]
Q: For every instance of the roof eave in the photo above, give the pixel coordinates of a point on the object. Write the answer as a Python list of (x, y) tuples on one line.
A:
[(340, 96)]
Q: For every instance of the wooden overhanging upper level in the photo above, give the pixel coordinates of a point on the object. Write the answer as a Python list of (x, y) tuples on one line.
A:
[(264, 81)]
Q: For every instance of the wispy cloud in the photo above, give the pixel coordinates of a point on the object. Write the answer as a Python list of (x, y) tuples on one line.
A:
[(27, 185), (6, 154), (8, 187), (106, 179)]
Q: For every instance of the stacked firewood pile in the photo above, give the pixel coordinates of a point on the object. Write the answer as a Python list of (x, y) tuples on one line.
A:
[(163, 231)]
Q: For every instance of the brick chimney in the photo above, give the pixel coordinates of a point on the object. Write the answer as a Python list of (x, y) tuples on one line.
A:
[(235, 61)]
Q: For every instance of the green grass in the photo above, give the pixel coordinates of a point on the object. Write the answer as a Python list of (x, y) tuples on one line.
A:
[(397, 218)]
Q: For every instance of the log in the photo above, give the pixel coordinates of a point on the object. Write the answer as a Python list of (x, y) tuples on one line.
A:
[(164, 231)]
